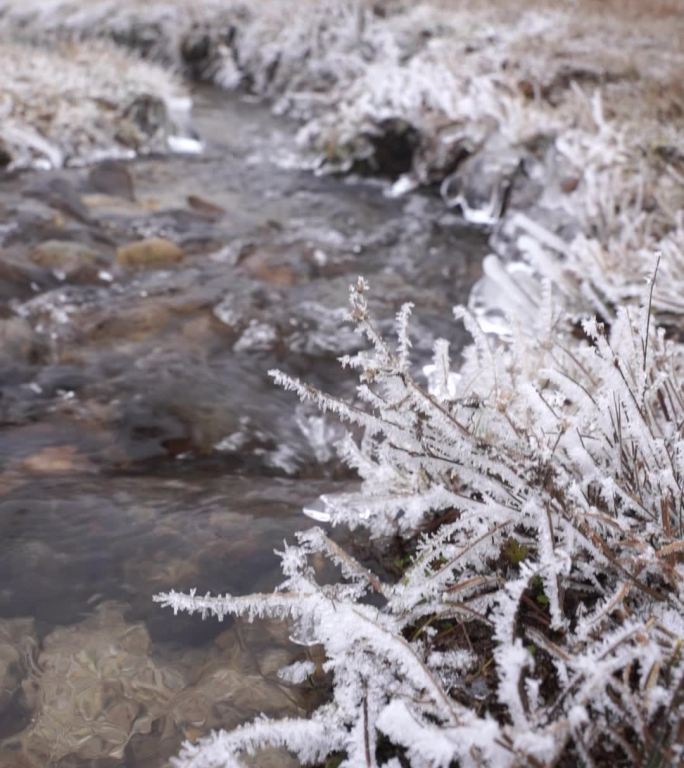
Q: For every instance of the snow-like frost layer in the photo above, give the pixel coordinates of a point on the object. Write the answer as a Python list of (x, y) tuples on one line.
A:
[(82, 102)]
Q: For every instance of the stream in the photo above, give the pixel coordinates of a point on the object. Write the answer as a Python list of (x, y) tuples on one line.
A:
[(143, 445)]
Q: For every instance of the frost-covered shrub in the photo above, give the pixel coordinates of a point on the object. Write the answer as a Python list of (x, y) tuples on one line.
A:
[(625, 207), (539, 490)]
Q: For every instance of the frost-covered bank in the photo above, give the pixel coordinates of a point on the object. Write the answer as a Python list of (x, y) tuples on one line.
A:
[(81, 102)]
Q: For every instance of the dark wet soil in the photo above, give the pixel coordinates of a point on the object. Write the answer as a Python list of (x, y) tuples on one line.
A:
[(142, 443)]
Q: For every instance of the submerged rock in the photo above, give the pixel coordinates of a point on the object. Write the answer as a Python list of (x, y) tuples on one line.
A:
[(56, 459), (99, 692), (151, 253), (17, 639), (68, 260), (19, 341), (82, 699), (59, 193), (113, 178)]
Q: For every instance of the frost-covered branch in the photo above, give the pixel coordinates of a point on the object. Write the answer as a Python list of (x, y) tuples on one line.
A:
[(545, 476)]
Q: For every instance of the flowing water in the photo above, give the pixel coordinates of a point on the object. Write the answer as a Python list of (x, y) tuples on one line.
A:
[(142, 443)]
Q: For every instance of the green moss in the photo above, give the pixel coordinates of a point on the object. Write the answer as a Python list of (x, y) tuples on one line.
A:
[(515, 552)]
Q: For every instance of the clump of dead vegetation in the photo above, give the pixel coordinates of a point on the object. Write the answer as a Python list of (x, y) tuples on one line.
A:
[(537, 619)]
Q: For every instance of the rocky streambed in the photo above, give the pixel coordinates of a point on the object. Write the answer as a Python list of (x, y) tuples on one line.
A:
[(143, 445)]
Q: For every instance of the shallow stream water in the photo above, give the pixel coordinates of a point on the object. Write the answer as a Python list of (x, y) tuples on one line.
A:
[(142, 443)]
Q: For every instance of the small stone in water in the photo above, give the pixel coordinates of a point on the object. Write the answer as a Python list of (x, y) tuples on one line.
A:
[(111, 177), (56, 459), (18, 340), (151, 253), (205, 207), (101, 688), (63, 257)]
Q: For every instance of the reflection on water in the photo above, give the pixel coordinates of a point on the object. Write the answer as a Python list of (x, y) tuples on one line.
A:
[(82, 538), (142, 444)]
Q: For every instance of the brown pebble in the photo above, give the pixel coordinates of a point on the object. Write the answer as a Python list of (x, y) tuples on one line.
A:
[(260, 265), (205, 207), (64, 255), (151, 253), (570, 184)]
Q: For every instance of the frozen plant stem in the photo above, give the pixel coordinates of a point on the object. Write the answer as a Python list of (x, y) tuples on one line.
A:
[(545, 517)]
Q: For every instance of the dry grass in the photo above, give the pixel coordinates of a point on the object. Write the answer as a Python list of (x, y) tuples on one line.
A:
[(665, 18), (636, 45), (653, 9), (624, 8)]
